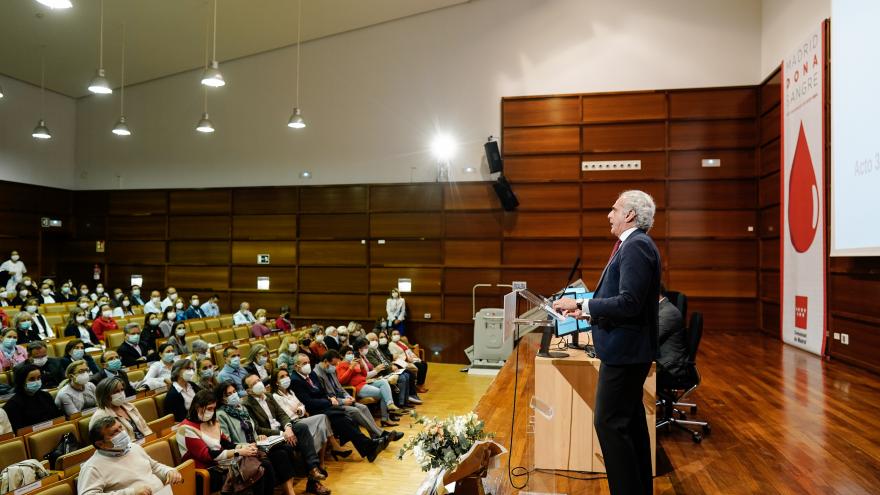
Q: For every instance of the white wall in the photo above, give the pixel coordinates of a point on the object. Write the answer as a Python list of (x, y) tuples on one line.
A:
[(374, 97), (784, 24), (28, 160)]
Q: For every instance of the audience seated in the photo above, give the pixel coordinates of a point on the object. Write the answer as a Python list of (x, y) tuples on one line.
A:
[(24, 326), (136, 299), (123, 308), (200, 350), (105, 323), (211, 308), (11, 353), (401, 351), (45, 295), (673, 353), (200, 438), (356, 371), (51, 372), (400, 378), (5, 298), (151, 331), (75, 350), (112, 401), (78, 326), (178, 340), (318, 347), (30, 404), (78, 392), (170, 298), (193, 311), (154, 305), (182, 390), (244, 316), (331, 338), (319, 425), (5, 425), (258, 363), (132, 351), (168, 321), (21, 295), (233, 371), (304, 346), (40, 327), (207, 374), (66, 294), (283, 323), (111, 367), (120, 466), (95, 312), (159, 374), (286, 350), (260, 329)]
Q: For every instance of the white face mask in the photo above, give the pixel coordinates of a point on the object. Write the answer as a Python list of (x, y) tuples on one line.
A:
[(99, 290), (45, 292), (172, 316), (154, 321), (306, 369), (180, 332), (80, 318), (40, 362), (206, 416), (31, 309), (374, 344), (172, 297), (195, 303), (179, 305), (107, 314), (126, 303), (319, 338), (82, 378), (84, 305), (291, 348), (262, 319), (258, 388), (395, 338), (188, 375), (383, 341), (284, 383), (155, 300), (14, 257), (117, 399)]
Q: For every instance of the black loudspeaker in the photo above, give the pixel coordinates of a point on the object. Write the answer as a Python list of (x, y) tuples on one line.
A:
[(493, 156), (505, 194)]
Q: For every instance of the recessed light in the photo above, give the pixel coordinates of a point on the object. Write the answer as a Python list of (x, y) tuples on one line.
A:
[(305, 175)]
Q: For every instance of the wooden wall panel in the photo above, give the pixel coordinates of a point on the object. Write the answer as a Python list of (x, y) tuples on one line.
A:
[(198, 252), (539, 281), (334, 280), (770, 158), (280, 278), (561, 224), (135, 252), (769, 249), (538, 140), (602, 195), (768, 222), (280, 252), (771, 92), (474, 225), (335, 226), (199, 277), (737, 314), (333, 199), (200, 202), (120, 276), (145, 228), (547, 196), (81, 251), (424, 280), (864, 340), (712, 195), (416, 306), (461, 308), (543, 168), (713, 104), (854, 295), (735, 164), (714, 282), (594, 224), (265, 200), (768, 190), (624, 137), (96, 227), (332, 253), (335, 306), (397, 252), (712, 134), (422, 224), (624, 107), (270, 301), (540, 253), (770, 126), (708, 254), (198, 227), (770, 286), (653, 166), (264, 227), (462, 281), (472, 253), (540, 111), (471, 196), (406, 197), (137, 202), (707, 223)]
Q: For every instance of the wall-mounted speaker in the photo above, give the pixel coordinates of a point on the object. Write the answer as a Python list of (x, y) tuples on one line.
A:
[(493, 157), (505, 194)]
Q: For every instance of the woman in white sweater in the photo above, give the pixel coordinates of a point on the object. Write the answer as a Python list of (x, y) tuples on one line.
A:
[(78, 393)]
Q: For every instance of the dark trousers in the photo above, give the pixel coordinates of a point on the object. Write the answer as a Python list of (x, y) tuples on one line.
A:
[(622, 428), (348, 431), (423, 372), (305, 444)]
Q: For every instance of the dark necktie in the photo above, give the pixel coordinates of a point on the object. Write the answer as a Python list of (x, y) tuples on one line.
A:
[(614, 251)]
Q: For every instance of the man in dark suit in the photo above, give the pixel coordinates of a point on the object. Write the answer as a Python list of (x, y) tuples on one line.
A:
[(624, 316), (111, 367), (673, 356), (50, 368), (132, 351)]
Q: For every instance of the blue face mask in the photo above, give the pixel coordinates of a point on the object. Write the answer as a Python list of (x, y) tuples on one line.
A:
[(168, 357), (208, 373), (25, 325), (9, 343), (331, 369), (349, 357), (114, 365), (77, 354), (233, 400), (32, 387), (134, 338), (235, 362)]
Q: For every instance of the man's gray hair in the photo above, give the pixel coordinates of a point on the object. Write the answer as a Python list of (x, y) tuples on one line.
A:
[(642, 204), (131, 326), (199, 346)]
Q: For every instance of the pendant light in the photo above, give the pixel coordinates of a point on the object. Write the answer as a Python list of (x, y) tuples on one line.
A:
[(212, 76), (205, 124), (99, 84), (1, 91), (296, 119), (121, 128), (56, 4), (41, 131)]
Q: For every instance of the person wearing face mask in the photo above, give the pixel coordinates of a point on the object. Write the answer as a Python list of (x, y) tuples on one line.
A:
[(364, 377), (178, 340), (395, 310), (305, 347), (159, 373), (135, 294), (168, 321), (170, 298), (40, 328), (259, 363), (78, 327), (154, 305), (15, 268), (4, 297), (113, 402), (132, 351), (84, 303), (232, 370), (30, 405), (286, 351), (45, 296), (78, 392), (84, 292), (270, 419), (260, 329), (200, 350), (111, 367), (123, 308), (244, 316), (120, 466), (318, 347), (200, 438), (207, 374), (283, 323), (183, 389), (152, 331), (75, 351), (401, 353), (99, 292), (11, 353), (319, 425), (22, 293), (211, 307), (24, 326), (65, 295), (331, 338), (194, 310), (51, 372), (402, 382), (105, 323)]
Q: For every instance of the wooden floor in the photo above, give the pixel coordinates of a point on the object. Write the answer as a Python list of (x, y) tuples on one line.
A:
[(451, 392), (783, 421)]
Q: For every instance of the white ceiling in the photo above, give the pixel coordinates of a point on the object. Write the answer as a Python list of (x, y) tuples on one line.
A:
[(168, 36)]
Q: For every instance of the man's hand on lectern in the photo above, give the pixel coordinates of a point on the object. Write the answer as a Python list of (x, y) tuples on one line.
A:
[(567, 307)]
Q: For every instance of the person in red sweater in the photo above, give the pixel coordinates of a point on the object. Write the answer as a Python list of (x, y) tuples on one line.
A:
[(283, 323), (104, 322), (318, 347), (355, 370)]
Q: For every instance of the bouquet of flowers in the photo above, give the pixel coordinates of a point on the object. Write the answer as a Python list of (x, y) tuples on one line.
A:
[(441, 443)]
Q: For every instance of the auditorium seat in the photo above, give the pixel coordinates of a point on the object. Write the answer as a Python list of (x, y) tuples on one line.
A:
[(54, 319), (69, 463), (226, 321), (52, 309), (242, 333), (212, 323), (147, 408), (59, 345), (159, 399), (12, 451), (135, 376), (42, 442), (196, 325), (188, 472), (82, 425), (160, 450), (114, 339), (272, 342), (226, 335), (63, 487), (209, 337)]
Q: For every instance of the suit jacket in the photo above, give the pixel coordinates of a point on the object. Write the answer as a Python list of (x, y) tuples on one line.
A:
[(174, 403), (673, 346), (129, 355), (313, 395), (624, 308), (331, 342), (129, 390), (72, 330), (261, 420)]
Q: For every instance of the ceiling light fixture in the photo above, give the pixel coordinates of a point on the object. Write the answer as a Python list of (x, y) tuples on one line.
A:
[(296, 119), (56, 4), (121, 128), (99, 84), (1, 91), (212, 76), (41, 131), (205, 124)]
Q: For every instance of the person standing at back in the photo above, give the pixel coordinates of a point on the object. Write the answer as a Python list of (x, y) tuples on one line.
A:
[(624, 319)]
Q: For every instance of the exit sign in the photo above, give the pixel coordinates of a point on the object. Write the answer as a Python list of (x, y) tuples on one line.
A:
[(262, 259)]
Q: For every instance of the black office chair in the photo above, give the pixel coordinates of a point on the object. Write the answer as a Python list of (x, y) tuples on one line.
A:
[(672, 393), (680, 300)]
